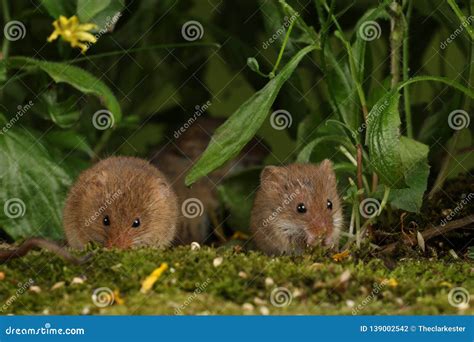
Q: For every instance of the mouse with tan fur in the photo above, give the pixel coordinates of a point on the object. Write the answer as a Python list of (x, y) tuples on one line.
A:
[(121, 202), (296, 205)]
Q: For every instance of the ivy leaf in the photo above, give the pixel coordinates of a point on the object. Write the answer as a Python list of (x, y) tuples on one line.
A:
[(231, 137), (32, 187), (76, 77)]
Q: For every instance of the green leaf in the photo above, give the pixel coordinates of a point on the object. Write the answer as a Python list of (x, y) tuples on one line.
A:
[(383, 140), (99, 12), (414, 157), (232, 136), (69, 140), (305, 154), (33, 183), (76, 77), (64, 114), (56, 8)]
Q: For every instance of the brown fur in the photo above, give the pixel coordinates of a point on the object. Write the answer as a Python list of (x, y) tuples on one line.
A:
[(277, 226), (124, 189)]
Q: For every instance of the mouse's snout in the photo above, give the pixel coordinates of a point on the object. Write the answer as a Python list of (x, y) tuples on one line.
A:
[(121, 241)]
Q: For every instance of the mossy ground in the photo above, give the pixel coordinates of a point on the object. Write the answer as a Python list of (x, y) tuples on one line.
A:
[(318, 284)]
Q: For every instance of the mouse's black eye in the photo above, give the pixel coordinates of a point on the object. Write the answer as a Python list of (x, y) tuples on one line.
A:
[(106, 220), (136, 223), (329, 205), (301, 208)]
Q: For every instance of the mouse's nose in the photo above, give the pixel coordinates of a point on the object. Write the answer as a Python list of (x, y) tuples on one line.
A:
[(119, 241)]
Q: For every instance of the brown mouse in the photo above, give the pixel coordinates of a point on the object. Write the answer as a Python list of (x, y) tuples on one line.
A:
[(296, 205), (178, 157), (121, 202)]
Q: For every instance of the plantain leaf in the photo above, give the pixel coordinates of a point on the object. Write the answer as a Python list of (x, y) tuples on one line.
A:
[(232, 136), (32, 187), (76, 77), (383, 140)]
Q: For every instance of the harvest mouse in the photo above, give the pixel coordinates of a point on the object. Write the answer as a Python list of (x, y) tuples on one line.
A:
[(296, 205), (121, 202), (177, 158)]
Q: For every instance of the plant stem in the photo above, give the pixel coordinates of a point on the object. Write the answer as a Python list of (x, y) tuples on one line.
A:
[(406, 92), (282, 49), (144, 48), (462, 18), (6, 19), (396, 40)]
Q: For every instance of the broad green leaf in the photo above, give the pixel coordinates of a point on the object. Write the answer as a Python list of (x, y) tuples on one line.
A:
[(32, 187), (383, 140), (56, 8), (86, 9), (69, 140), (305, 154), (76, 77), (414, 157), (232, 136)]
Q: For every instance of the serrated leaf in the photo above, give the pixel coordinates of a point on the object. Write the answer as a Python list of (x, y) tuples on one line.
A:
[(32, 187), (231, 137), (76, 77)]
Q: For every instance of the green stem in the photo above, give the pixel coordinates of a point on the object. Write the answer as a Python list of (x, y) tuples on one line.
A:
[(282, 49), (384, 200), (101, 144), (462, 17), (406, 90), (144, 48), (6, 19)]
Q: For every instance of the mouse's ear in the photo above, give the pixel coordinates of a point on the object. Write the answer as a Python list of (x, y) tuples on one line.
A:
[(327, 167), (272, 174)]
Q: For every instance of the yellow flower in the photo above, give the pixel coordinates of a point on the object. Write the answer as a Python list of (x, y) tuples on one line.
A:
[(73, 32), (147, 284), (341, 256), (392, 282)]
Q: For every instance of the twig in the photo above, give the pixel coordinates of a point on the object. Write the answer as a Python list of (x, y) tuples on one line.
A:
[(430, 233)]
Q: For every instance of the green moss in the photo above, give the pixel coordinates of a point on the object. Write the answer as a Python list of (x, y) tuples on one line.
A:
[(315, 281)]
